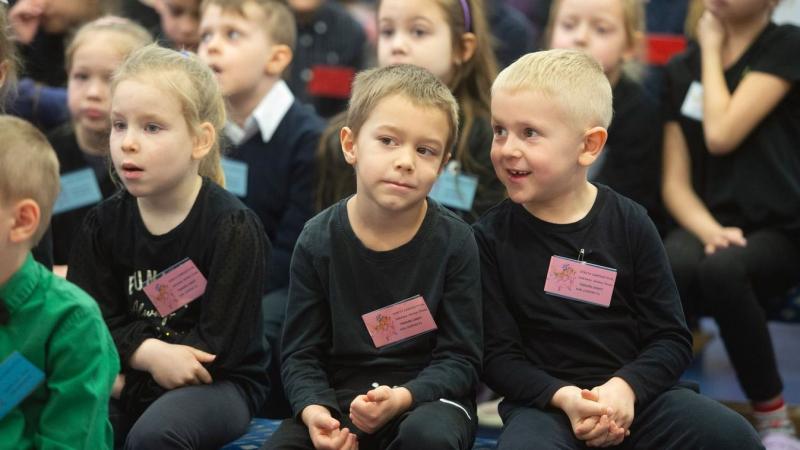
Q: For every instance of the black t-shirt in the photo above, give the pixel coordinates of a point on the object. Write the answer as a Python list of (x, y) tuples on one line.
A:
[(536, 343), (757, 185), (328, 355), (631, 159), (66, 225), (115, 256)]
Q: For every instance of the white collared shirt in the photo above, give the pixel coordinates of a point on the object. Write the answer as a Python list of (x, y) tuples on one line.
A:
[(266, 117)]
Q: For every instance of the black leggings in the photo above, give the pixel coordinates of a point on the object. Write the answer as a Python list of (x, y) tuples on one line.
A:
[(193, 417), (736, 285)]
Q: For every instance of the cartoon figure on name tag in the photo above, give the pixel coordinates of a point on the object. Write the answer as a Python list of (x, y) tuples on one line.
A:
[(165, 297), (564, 278), (385, 327)]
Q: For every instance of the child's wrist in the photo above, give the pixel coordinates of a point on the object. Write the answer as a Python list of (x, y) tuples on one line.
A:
[(563, 395), (403, 399), (312, 411), (142, 357)]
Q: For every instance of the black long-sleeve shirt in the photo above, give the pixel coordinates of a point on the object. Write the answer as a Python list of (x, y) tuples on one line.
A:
[(335, 279), (536, 343), (115, 256)]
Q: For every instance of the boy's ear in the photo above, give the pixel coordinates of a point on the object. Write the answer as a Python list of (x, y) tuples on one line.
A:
[(348, 140), (468, 45), (593, 141), (204, 141), (279, 59), (26, 216)]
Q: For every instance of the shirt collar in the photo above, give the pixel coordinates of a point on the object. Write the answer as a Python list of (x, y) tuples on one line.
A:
[(266, 117), (21, 285)]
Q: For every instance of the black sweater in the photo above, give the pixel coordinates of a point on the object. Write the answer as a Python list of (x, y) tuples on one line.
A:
[(536, 343), (115, 256), (336, 279)]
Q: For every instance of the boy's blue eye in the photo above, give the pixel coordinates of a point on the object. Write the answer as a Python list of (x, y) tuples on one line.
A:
[(205, 37), (233, 34), (500, 131)]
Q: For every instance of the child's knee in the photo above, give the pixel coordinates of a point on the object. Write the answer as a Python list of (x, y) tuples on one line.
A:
[(722, 268)]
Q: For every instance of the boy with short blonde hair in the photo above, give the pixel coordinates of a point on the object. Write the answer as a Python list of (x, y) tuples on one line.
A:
[(382, 340), (585, 336), (47, 324)]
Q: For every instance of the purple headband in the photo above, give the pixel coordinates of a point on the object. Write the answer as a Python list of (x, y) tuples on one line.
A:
[(467, 17)]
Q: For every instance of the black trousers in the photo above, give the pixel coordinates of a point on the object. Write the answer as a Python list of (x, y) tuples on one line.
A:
[(431, 425), (736, 285), (678, 419), (192, 417)]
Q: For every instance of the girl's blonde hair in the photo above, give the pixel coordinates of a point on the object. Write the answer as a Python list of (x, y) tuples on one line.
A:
[(192, 83), (130, 36), (8, 56), (633, 16)]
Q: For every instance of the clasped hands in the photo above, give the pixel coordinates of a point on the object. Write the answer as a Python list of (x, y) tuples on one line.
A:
[(601, 416)]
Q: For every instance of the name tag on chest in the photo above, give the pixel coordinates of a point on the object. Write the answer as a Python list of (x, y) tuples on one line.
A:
[(455, 190), (175, 287), (693, 103), (78, 189), (236, 173), (581, 281), (398, 322), (18, 378)]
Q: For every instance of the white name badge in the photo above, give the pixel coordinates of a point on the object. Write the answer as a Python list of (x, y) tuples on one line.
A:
[(78, 189), (693, 103), (235, 176)]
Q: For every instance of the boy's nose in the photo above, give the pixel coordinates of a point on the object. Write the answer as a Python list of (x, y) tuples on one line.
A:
[(405, 160)]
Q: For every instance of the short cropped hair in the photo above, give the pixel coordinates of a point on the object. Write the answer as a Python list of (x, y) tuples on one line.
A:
[(571, 77), (28, 169), (279, 22), (412, 82)]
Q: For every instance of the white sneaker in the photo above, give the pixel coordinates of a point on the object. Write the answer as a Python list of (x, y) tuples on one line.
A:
[(780, 441)]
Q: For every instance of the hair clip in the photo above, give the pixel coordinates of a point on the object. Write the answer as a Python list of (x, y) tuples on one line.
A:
[(467, 16)]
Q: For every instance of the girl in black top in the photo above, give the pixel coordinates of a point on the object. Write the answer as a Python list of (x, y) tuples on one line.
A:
[(192, 377), (97, 49), (611, 32), (731, 170)]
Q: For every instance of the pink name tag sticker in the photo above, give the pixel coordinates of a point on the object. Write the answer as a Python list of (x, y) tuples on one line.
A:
[(399, 321), (175, 287), (579, 280)]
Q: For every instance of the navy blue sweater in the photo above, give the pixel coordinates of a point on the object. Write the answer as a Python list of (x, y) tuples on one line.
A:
[(280, 183)]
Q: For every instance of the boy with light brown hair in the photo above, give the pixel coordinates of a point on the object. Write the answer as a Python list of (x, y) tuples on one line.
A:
[(382, 340)]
